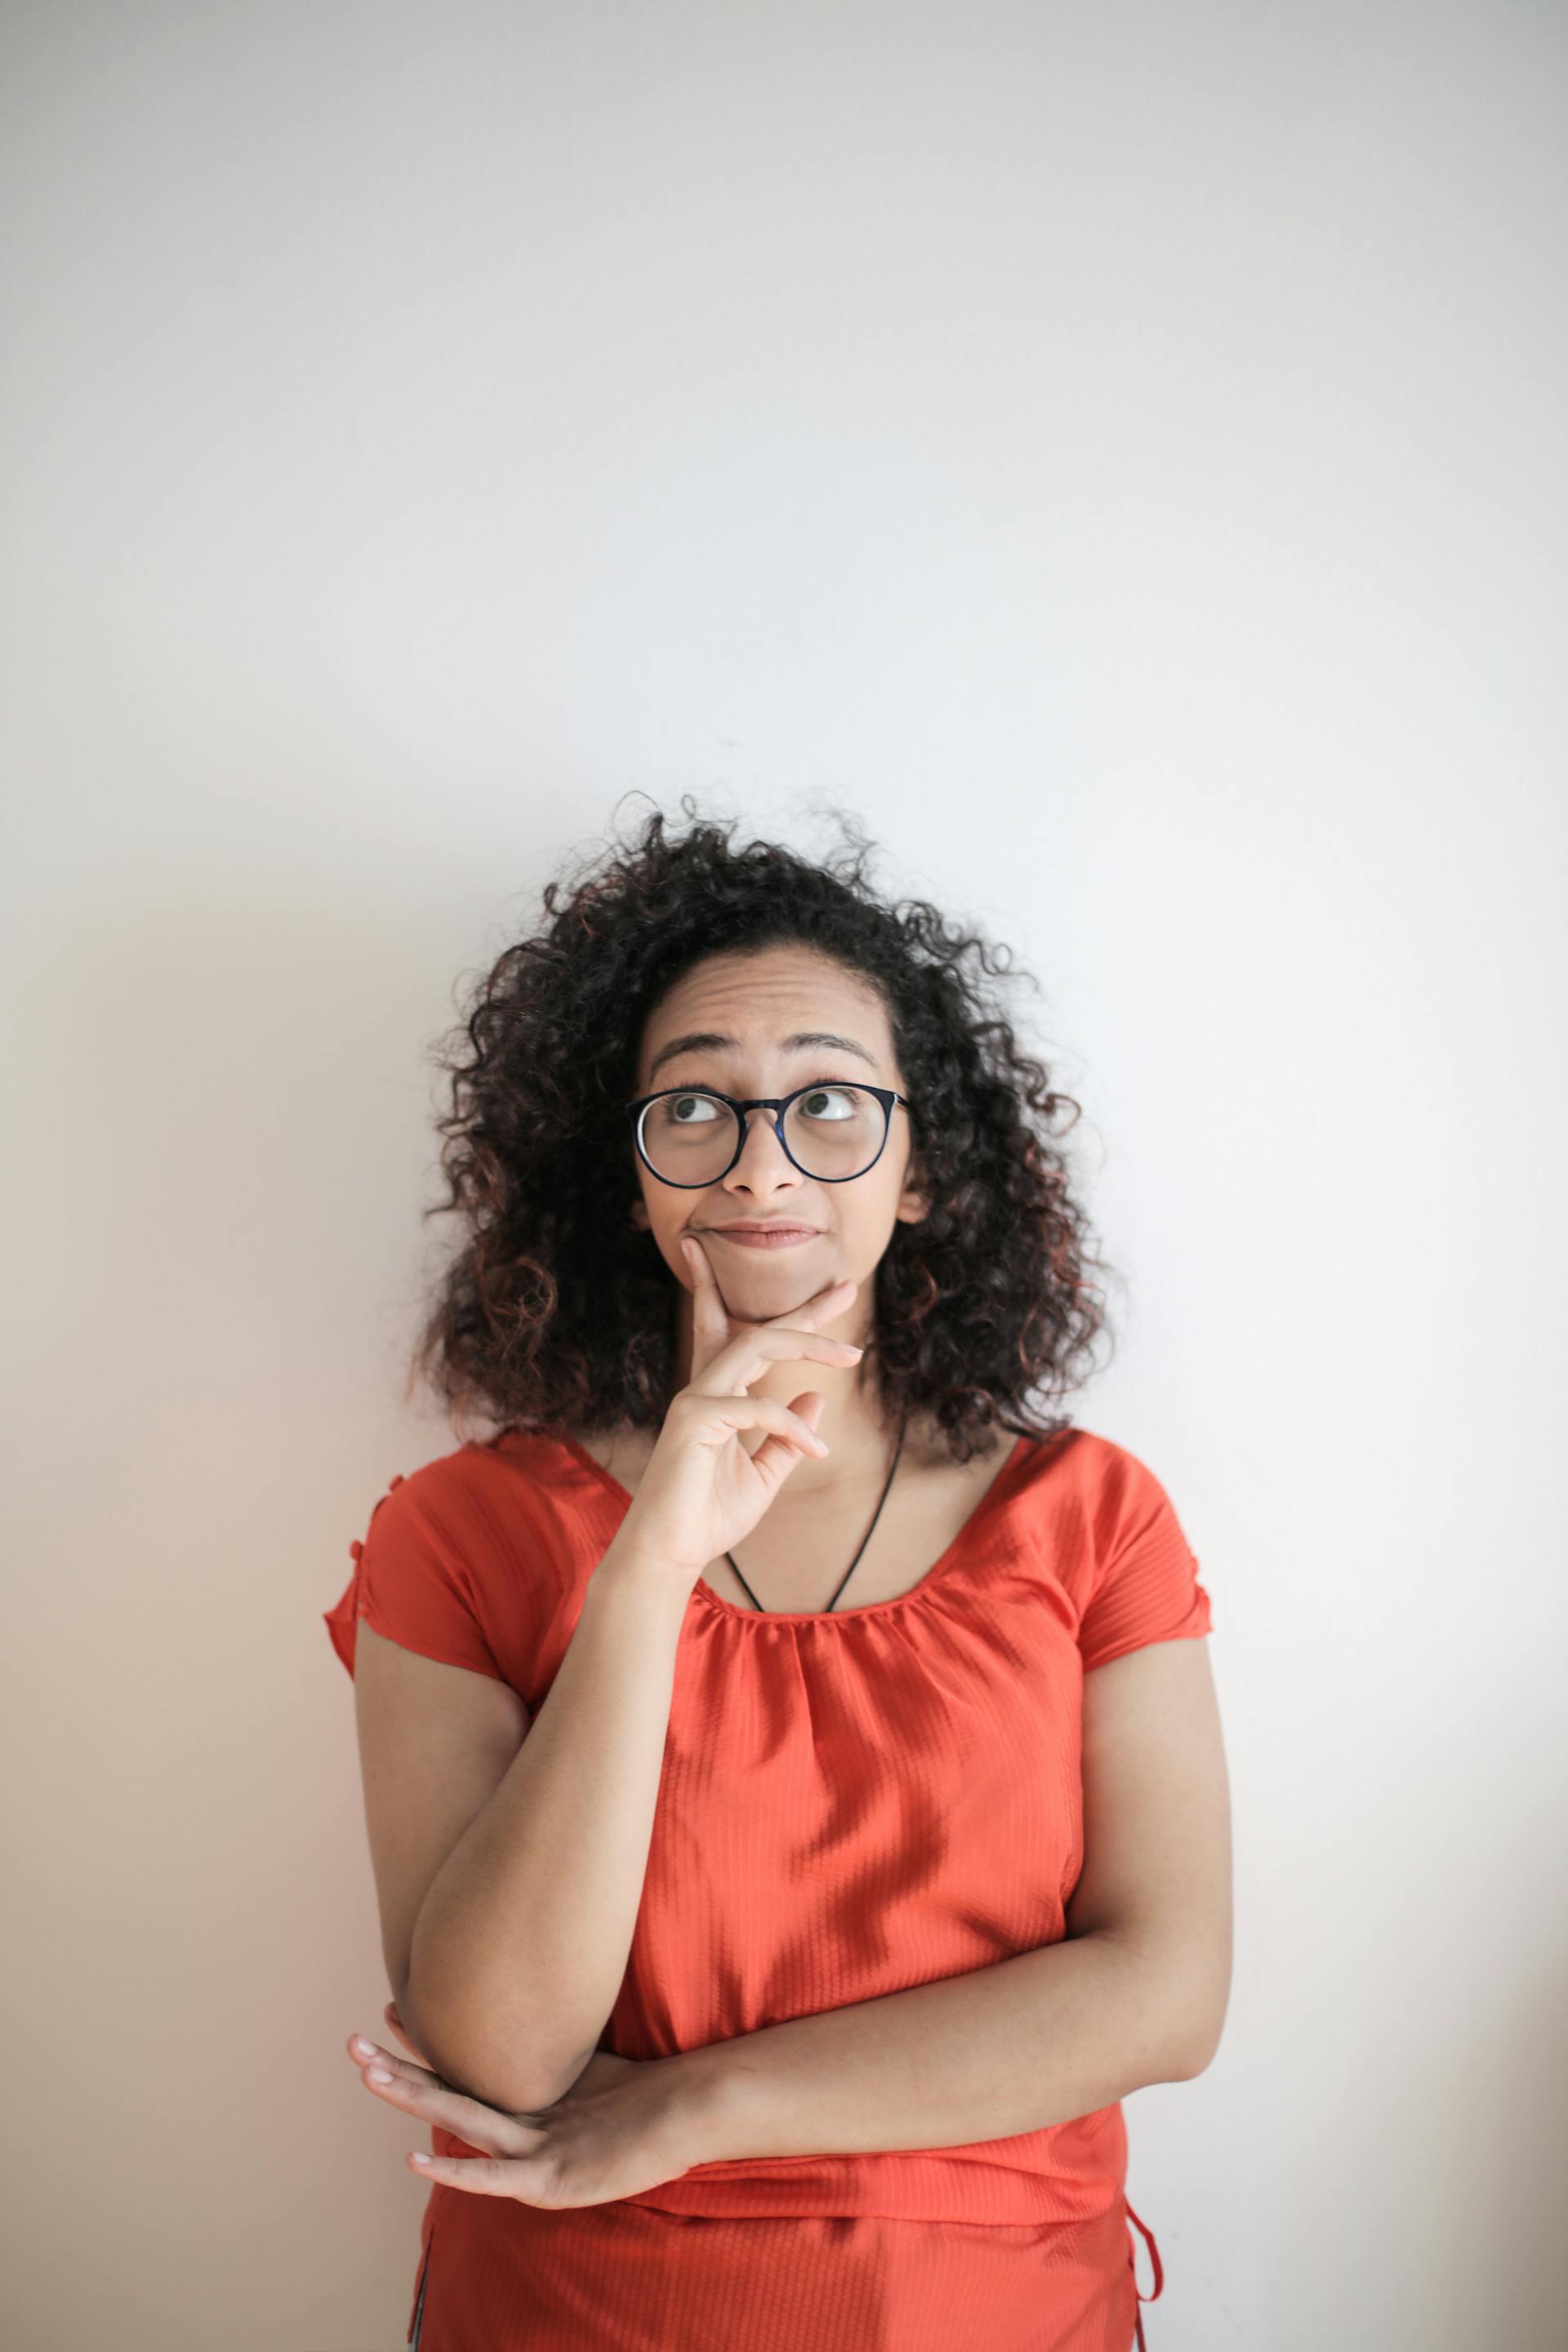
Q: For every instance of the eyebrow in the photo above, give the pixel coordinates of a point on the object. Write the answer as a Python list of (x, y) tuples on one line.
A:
[(714, 1041)]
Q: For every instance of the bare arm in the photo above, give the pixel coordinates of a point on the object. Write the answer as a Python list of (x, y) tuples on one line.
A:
[(1027, 2042), (510, 1858)]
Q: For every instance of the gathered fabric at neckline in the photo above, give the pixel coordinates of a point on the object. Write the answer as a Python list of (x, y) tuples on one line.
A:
[(703, 1591)]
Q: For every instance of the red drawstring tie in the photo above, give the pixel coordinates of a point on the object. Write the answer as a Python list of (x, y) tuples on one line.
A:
[(1132, 2266)]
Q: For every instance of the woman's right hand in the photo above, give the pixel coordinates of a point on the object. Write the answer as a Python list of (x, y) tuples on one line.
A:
[(700, 1491)]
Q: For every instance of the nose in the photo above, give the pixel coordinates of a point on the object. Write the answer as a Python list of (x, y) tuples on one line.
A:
[(757, 1159)]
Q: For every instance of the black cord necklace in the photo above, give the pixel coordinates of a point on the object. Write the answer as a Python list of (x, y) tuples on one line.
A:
[(864, 1541)]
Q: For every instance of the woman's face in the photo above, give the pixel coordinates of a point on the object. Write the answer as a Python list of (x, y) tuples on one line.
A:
[(728, 1025)]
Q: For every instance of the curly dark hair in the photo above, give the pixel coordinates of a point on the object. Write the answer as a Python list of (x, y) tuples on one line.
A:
[(556, 1312)]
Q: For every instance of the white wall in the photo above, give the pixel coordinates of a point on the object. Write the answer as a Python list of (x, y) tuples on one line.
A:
[(1118, 452)]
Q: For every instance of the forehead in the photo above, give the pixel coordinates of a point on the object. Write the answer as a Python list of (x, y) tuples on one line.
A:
[(773, 1009)]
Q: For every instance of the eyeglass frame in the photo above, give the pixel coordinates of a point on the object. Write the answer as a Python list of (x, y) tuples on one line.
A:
[(889, 1097)]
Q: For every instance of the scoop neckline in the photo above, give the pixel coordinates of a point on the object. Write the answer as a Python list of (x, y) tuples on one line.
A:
[(702, 1591)]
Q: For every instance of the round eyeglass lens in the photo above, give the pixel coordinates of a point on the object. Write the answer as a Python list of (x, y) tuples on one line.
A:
[(832, 1131)]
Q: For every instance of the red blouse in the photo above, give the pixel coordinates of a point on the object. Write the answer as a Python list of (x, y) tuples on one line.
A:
[(852, 1801)]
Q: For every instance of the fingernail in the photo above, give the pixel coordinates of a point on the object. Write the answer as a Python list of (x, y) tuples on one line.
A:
[(367, 2049), (377, 2074)]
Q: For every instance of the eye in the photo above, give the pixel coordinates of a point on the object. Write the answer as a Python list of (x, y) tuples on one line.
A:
[(675, 1107), (848, 1099)]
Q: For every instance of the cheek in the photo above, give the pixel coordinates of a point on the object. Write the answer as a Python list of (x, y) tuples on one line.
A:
[(668, 1220), (867, 1223)]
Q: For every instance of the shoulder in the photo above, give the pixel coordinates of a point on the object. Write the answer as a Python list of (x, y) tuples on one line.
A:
[(512, 1459), (466, 1558), (1121, 1553), (1096, 1505), (1086, 1470), (478, 1503)]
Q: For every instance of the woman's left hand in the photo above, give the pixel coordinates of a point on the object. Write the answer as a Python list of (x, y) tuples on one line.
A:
[(625, 2125)]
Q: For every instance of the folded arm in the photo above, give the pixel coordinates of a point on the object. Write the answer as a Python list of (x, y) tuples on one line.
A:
[(1135, 1993)]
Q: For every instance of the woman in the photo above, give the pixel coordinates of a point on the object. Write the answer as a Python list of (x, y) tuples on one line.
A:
[(793, 1777)]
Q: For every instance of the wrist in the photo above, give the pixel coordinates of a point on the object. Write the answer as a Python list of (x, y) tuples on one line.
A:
[(631, 1580), (714, 2098)]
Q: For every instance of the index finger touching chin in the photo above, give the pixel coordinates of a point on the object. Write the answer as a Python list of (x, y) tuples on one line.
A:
[(710, 1317)]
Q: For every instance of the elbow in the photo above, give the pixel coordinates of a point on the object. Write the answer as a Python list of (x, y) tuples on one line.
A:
[(1190, 2062), (467, 2056), (1196, 1981), (1179, 2004), (1198, 2048)]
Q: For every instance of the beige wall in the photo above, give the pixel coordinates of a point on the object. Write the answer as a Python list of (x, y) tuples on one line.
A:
[(1117, 452)]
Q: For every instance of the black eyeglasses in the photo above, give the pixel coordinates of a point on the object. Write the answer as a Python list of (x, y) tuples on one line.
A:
[(832, 1131)]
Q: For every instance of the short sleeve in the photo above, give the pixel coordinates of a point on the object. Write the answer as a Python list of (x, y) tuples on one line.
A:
[(409, 1585), (1146, 1586)]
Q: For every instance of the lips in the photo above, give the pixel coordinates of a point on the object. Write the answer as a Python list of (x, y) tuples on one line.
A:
[(761, 1240), (781, 1226)]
